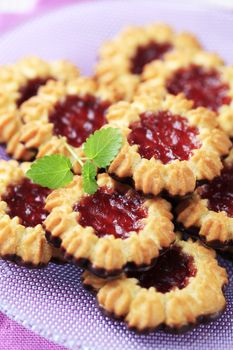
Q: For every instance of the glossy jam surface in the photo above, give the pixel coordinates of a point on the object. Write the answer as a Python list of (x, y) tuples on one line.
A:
[(30, 89), (172, 270), (202, 86), (164, 136), (111, 212), (77, 117), (219, 192), (26, 200), (148, 53)]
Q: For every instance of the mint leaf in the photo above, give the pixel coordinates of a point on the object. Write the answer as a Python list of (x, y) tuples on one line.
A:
[(103, 146), (55, 171), (51, 171), (89, 173)]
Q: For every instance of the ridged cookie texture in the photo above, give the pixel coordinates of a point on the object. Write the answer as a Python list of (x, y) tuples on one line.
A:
[(107, 255), (14, 79), (24, 245), (214, 227), (37, 133), (145, 309), (114, 67), (177, 177), (157, 75)]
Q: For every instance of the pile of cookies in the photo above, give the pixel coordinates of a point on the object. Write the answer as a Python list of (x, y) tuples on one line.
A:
[(148, 237)]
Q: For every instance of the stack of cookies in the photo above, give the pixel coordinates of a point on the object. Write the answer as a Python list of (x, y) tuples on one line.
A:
[(149, 236)]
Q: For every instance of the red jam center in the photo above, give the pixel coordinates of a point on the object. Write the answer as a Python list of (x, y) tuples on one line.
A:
[(219, 192), (78, 117), (172, 270), (148, 53), (164, 136), (202, 86), (30, 89), (26, 200), (112, 212)]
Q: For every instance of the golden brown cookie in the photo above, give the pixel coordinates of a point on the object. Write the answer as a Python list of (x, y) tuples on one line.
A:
[(61, 112), (22, 80), (201, 77), (112, 230), (209, 211), (22, 213), (123, 59), (167, 144), (182, 289)]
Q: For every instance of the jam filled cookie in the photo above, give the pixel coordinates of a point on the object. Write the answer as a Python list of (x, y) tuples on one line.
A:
[(62, 112), (200, 77), (123, 59), (22, 213), (20, 81), (112, 230), (183, 288), (167, 145), (209, 211)]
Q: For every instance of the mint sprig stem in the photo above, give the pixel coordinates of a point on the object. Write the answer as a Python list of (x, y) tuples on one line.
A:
[(73, 153)]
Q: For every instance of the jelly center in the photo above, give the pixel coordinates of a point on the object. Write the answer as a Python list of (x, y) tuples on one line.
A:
[(202, 86), (163, 136), (172, 270), (26, 200), (30, 89), (77, 117), (111, 212), (219, 192), (148, 53)]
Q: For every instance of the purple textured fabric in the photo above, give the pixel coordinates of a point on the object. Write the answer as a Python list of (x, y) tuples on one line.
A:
[(15, 337), (52, 301)]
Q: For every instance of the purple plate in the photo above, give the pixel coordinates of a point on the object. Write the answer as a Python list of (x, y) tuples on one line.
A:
[(52, 301)]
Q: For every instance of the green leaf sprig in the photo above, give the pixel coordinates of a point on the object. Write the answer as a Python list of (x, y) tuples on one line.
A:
[(100, 149)]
